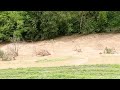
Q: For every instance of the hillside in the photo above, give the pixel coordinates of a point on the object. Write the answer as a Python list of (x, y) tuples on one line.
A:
[(67, 50)]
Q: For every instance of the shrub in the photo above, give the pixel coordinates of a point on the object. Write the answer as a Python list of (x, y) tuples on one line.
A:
[(12, 52), (42, 52), (109, 51), (14, 48), (78, 50), (4, 56), (1, 54)]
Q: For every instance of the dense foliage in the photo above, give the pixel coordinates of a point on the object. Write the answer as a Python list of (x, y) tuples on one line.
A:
[(40, 25)]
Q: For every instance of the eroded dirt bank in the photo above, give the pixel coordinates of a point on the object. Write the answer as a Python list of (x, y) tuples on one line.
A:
[(70, 50)]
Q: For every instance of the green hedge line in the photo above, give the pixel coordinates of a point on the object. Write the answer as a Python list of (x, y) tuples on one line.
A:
[(40, 25)]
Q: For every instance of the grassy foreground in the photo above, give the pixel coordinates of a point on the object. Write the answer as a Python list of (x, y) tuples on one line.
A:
[(66, 72)]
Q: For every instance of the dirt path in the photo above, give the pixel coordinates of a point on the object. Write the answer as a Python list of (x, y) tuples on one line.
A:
[(67, 50)]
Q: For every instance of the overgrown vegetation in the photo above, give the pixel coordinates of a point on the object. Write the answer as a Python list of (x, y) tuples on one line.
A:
[(66, 72), (40, 25)]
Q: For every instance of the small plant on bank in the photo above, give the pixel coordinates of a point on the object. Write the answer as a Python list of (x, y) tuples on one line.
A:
[(109, 50), (41, 52), (1, 54), (78, 50), (13, 50), (4, 56)]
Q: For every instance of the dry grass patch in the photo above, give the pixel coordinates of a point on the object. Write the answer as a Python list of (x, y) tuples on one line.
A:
[(42, 52), (109, 50), (4, 56)]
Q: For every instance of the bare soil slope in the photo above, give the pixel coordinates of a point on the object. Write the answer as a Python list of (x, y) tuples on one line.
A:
[(67, 50)]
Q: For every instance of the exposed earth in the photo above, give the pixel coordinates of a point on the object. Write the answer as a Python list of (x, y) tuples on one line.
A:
[(67, 50)]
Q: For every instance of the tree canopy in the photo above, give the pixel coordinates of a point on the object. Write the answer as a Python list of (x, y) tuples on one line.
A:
[(40, 25)]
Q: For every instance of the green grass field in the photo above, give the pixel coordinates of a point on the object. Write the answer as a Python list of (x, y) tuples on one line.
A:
[(66, 72)]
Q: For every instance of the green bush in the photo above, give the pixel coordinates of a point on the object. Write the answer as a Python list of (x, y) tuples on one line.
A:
[(40, 25)]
